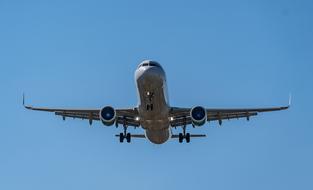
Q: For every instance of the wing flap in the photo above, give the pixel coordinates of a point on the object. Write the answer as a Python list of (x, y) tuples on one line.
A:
[(80, 115), (181, 116), (125, 117)]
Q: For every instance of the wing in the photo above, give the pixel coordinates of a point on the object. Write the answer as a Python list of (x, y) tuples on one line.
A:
[(181, 116), (123, 116)]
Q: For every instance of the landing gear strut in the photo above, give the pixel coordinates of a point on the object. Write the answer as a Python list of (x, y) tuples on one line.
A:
[(125, 135), (183, 136)]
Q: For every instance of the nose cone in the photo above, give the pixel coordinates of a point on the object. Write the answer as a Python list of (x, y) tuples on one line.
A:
[(154, 72), (151, 75), (150, 71)]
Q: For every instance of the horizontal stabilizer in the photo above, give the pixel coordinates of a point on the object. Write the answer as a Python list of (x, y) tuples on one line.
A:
[(191, 136), (142, 136)]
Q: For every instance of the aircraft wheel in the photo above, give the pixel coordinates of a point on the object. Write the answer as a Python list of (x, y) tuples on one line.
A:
[(180, 138), (121, 137), (188, 137), (128, 137)]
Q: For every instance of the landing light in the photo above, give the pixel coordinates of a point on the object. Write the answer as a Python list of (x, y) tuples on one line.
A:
[(137, 118)]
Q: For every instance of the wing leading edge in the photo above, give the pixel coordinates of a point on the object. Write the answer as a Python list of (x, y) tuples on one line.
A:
[(125, 117), (181, 116)]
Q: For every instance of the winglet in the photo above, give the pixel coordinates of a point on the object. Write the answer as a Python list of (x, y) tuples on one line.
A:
[(24, 99), (25, 106), (290, 98)]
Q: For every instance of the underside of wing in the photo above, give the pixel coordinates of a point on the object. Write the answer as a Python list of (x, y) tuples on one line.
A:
[(182, 116), (125, 117)]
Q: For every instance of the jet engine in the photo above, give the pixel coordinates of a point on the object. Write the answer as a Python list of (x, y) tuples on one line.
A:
[(107, 115), (198, 116)]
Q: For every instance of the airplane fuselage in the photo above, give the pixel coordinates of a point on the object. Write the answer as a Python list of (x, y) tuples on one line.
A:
[(153, 103)]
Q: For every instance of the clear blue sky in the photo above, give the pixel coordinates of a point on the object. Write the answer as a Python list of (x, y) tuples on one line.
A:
[(219, 53)]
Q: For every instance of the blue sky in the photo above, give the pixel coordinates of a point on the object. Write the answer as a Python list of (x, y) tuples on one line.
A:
[(216, 54)]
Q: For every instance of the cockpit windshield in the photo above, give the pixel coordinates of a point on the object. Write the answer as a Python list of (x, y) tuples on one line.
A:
[(150, 63), (145, 64), (154, 64)]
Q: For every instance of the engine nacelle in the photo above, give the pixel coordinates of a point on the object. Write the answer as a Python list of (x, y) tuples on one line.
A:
[(198, 116), (107, 115)]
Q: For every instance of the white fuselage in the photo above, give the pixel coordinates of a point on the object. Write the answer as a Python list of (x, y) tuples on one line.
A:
[(153, 103)]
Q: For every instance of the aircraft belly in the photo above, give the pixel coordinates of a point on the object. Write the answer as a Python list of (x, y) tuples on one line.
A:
[(158, 136), (155, 124)]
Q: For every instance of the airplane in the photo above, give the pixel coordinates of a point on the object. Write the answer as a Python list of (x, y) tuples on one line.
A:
[(154, 113)]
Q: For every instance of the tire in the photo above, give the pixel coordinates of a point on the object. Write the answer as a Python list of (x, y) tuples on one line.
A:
[(128, 137), (121, 137), (188, 137), (180, 137)]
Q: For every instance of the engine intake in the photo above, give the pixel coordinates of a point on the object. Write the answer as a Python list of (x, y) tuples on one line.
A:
[(198, 116), (107, 115)]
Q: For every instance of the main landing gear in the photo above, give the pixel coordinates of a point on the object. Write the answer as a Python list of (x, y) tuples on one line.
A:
[(183, 136), (125, 135)]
